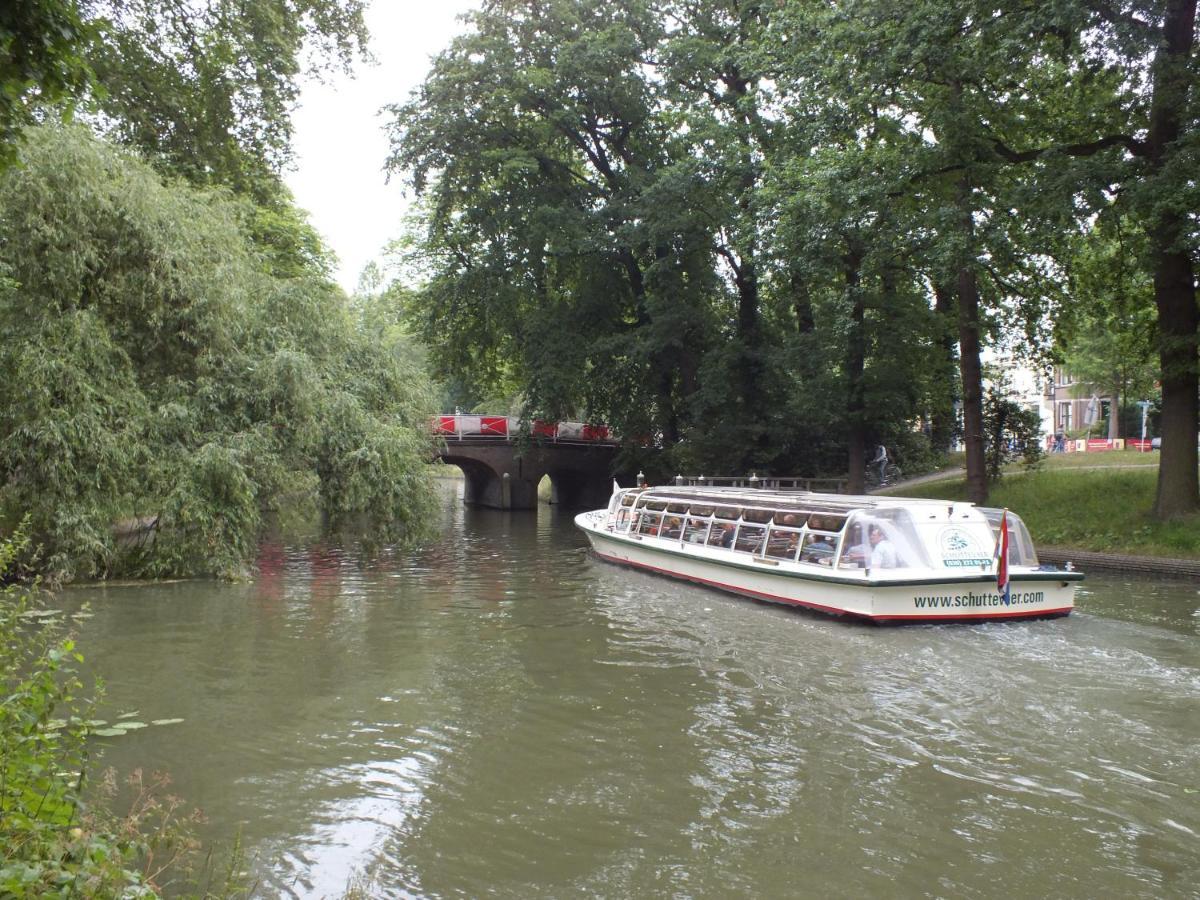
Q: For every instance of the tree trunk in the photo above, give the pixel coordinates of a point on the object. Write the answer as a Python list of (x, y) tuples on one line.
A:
[(1174, 279), (971, 372), (856, 354), (1175, 295), (802, 305), (942, 424)]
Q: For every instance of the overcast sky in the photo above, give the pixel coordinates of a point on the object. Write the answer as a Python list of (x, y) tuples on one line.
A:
[(339, 140)]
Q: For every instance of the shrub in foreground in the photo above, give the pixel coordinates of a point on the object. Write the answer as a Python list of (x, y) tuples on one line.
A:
[(56, 838)]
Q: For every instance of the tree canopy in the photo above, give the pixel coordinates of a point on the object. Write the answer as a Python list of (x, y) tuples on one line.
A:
[(778, 233)]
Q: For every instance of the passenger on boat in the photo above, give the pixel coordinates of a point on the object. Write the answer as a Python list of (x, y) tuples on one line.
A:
[(883, 551), (722, 535), (784, 543), (672, 528), (818, 549)]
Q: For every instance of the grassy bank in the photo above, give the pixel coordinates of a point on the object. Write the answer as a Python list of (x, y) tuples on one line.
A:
[(1102, 509)]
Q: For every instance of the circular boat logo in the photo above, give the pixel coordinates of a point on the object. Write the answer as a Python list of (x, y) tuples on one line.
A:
[(960, 549)]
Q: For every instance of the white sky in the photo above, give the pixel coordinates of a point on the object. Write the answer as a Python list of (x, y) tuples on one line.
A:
[(339, 140)]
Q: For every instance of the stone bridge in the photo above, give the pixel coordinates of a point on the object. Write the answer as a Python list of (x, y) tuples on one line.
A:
[(504, 467)]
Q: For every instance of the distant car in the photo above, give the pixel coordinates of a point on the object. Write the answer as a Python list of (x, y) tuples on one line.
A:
[(1156, 443)]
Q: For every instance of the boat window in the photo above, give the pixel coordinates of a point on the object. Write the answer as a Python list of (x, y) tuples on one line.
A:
[(790, 518), (702, 511), (672, 527), (695, 530), (680, 508), (882, 539), (826, 522), (628, 499), (782, 543), (759, 516), (657, 505), (750, 538), (1021, 551), (623, 520), (649, 523), (722, 534), (818, 547)]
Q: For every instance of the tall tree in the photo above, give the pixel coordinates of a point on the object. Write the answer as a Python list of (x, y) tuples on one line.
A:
[(560, 206), (709, 58), (1107, 340), (206, 89), (43, 64), (1169, 198)]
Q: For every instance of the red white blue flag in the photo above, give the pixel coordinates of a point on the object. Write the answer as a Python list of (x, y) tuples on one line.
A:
[(1002, 559)]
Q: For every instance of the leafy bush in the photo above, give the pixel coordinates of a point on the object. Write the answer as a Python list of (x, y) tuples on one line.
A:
[(51, 842), (1011, 431)]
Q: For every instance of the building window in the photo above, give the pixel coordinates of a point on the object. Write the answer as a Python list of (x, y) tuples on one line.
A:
[(1064, 416)]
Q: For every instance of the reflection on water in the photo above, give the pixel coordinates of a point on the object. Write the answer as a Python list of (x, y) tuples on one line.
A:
[(500, 713)]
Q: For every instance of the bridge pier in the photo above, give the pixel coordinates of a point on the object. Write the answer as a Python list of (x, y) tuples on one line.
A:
[(500, 478)]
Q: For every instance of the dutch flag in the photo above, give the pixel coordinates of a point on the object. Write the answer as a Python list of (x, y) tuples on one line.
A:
[(1002, 559)]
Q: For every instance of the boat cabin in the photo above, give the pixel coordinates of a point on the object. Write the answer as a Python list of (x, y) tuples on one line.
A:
[(835, 531)]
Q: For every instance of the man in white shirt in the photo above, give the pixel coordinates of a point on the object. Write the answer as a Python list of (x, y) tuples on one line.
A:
[(883, 551)]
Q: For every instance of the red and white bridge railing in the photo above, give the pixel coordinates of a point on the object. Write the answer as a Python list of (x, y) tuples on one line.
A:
[(469, 427)]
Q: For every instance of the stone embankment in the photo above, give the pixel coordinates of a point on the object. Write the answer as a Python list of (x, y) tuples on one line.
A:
[(1086, 561)]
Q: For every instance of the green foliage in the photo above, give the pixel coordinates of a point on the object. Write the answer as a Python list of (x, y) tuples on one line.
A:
[(1086, 509), (755, 289), (1108, 342), (1012, 431), (51, 844), (205, 90), (43, 46), (597, 236), (168, 374)]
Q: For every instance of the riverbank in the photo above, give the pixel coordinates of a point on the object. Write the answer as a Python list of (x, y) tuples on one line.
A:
[(1097, 516)]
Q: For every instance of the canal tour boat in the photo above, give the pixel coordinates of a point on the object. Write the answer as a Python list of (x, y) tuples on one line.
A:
[(873, 558)]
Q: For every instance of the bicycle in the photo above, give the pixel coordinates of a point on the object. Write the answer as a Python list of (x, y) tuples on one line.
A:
[(891, 475)]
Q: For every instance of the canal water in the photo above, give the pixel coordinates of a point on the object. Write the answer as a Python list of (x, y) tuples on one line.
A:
[(500, 714)]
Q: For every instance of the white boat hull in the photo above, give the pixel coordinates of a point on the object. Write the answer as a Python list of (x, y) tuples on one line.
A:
[(843, 592)]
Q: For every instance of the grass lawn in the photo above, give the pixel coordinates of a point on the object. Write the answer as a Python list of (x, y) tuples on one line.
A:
[(1107, 458), (1105, 510)]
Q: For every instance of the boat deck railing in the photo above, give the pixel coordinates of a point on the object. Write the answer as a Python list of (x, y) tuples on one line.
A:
[(765, 482)]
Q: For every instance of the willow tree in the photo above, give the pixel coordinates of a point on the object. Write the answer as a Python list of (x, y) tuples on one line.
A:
[(156, 371)]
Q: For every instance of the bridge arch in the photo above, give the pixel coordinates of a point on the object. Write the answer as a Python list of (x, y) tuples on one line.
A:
[(504, 473)]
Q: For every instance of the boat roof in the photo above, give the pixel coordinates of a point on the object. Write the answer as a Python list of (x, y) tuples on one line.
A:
[(777, 499)]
